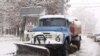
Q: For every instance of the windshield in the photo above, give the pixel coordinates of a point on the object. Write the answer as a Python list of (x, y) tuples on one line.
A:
[(52, 22)]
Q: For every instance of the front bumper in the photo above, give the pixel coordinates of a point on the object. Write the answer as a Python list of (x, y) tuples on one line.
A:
[(98, 39), (54, 46), (51, 46)]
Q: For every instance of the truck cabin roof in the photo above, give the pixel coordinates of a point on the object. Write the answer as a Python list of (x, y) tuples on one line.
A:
[(69, 18)]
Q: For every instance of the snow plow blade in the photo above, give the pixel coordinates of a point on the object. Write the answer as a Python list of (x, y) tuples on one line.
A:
[(31, 50)]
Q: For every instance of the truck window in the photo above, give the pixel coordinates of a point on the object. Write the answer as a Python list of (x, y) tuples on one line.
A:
[(53, 22)]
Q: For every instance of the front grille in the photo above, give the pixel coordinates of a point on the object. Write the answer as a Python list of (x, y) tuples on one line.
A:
[(48, 35)]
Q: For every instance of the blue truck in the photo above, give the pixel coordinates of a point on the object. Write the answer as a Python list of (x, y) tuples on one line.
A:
[(53, 32)]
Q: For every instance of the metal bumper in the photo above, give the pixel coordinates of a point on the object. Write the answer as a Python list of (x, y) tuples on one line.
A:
[(54, 46)]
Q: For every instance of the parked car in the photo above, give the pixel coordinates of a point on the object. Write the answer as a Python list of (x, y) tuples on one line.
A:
[(91, 35), (97, 38)]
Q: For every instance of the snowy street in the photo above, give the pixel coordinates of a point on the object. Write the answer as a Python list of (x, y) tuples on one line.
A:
[(88, 47), (7, 46), (49, 27)]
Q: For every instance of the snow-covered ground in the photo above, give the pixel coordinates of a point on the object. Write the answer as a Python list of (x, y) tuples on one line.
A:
[(7, 46), (88, 48), (7, 38)]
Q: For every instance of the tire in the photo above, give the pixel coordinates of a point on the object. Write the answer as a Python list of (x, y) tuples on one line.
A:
[(78, 45), (95, 40), (64, 49), (61, 51), (80, 38)]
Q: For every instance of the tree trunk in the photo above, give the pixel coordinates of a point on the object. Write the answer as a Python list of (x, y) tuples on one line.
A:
[(17, 31), (23, 28)]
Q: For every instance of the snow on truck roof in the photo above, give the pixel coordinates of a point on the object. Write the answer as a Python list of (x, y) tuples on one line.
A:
[(52, 16), (57, 16)]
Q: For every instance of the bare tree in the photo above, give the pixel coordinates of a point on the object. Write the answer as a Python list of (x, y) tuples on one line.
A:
[(11, 11)]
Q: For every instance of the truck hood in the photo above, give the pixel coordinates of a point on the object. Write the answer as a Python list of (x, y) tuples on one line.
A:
[(50, 28)]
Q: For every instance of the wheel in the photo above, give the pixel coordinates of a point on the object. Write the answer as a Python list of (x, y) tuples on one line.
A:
[(95, 40), (65, 49), (61, 51), (78, 45), (80, 38)]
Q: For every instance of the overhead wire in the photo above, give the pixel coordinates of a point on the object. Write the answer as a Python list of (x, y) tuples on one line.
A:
[(86, 4)]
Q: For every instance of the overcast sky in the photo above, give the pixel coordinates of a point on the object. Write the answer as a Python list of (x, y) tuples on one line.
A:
[(91, 5)]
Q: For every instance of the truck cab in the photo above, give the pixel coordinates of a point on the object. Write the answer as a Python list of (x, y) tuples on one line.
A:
[(53, 29)]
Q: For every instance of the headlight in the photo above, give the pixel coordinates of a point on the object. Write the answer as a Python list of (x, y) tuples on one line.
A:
[(27, 37), (58, 38)]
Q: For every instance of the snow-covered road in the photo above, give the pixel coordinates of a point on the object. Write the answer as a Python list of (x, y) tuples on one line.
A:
[(88, 47)]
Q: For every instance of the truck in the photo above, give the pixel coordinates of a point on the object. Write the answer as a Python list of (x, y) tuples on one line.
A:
[(75, 28), (55, 32)]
